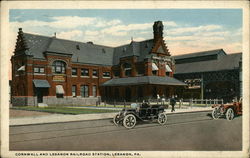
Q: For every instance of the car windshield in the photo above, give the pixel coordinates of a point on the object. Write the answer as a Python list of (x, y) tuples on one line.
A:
[(134, 105)]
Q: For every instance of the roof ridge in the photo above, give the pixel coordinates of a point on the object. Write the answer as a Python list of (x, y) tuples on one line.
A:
[(199, 52), (133, 42), (67, 40)]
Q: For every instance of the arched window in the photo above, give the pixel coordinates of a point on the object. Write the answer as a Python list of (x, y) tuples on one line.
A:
[(127, 69), (58, 67)]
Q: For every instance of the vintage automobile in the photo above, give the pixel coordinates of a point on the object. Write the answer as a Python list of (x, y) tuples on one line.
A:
[(140, 112), (229, 110)]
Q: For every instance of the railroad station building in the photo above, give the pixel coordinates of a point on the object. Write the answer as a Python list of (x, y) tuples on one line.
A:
[(212, 74), (62, 72)]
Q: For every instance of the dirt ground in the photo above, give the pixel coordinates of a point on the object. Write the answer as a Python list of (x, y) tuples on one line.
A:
[(24, 113)]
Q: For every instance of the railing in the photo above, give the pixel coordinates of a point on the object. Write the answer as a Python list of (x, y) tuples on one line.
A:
[(181, 103)]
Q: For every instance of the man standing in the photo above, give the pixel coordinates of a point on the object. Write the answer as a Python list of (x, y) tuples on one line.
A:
[(172, 103)]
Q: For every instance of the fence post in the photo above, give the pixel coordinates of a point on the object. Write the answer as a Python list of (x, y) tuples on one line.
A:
[(179, 103), (124, 103), (105, 103), (222, 101), (190, 102), (114, 103), (206, 102)]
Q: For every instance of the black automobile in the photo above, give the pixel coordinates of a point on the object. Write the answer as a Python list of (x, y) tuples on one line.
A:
[(140, 112)]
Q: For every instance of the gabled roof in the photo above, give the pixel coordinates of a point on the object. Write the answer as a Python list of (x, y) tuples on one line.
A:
[(87, 53), (198, 54), (140, 49), (142, 80), (227, 62)]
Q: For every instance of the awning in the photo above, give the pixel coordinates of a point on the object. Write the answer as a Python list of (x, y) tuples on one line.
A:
[(41, 83), (22, 68), (144, 80), (154, 67), (168, 69), (59, 89)]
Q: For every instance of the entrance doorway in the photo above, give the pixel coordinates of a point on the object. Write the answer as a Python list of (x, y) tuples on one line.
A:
[(39, 92)]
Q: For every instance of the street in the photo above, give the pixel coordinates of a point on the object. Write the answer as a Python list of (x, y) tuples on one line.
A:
[(184, 131)]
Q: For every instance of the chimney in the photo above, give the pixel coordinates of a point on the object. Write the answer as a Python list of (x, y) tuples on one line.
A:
[(158, 30)]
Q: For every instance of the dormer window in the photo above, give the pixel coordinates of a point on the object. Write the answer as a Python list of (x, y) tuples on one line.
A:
[(103, 51), (77, 47)]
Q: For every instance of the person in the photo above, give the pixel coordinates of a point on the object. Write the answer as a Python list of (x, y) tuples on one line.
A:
[(172, 103)]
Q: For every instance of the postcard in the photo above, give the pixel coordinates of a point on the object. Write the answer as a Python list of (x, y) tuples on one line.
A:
[(124, 79)]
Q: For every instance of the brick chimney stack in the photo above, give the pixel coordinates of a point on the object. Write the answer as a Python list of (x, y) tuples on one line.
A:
[(158, 30)]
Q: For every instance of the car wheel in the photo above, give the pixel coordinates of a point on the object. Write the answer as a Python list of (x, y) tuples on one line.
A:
[(215, 113), (116, 119), (129, 121), (162, 119), (230, 114)]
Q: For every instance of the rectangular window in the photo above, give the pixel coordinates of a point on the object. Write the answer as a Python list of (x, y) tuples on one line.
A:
[(74, 71), (74, 90), (95, 73), (116, 73), (36, 70), (94, 91), (84, 72), (58, 69), (106, 74), (85, 91), (39, 70)]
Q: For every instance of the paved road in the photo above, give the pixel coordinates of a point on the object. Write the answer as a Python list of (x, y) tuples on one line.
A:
[(189, 131)]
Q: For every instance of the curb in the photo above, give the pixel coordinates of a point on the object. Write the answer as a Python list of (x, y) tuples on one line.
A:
[(93, 119)]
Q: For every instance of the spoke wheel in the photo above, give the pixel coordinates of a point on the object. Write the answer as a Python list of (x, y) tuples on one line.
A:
[(129, 121), (116, 119), (230, 114), (162, 119), (215, 113)]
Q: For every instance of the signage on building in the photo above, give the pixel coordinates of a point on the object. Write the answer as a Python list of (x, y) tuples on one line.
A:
[(58, 78), (161, 58)]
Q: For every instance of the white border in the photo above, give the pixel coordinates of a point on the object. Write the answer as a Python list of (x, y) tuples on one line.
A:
[(5, 59)]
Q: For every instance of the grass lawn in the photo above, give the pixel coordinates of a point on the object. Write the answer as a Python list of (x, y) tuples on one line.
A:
[(64, 110)]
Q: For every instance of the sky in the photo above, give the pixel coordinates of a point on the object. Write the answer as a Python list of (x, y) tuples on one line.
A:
[(185, 30)]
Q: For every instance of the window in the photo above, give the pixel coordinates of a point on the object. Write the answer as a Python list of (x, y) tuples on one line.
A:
[(106, 74), (58, 67), (74, 71), (116, 73), (127, 69), (84, 72), (74, 90), (36, 70), (39, 70), (154, 72), (95, 73), (85, 91), (154, 69), (94, 91)]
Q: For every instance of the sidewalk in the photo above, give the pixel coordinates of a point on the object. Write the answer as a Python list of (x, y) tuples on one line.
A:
[(56, 118)]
